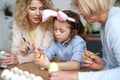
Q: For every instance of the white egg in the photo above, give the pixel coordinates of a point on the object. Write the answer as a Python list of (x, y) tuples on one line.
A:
[(32, 76), (4, 73), (20, 72), (22, 77), (15, 70), (28, 79), (26, 73), (15, 77), (53, 67), (12, 70), (38, 78), (9, 75), (2, 53)]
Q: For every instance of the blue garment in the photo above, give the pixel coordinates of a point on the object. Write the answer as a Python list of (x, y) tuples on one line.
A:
[(110, 38), (73, 51)]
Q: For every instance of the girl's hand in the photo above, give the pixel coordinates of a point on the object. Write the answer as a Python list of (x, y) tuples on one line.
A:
[(93, 62), (37, 52), (9, 59), (43, 62), (24, 48)]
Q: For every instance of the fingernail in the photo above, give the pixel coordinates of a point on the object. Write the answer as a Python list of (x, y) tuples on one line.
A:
[(90, 62)]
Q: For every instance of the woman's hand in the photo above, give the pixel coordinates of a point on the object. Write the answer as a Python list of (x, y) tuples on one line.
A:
[(93, 62), (64, 75), (9, 59), (24, 48)]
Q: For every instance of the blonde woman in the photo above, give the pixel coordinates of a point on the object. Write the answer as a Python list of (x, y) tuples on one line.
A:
[(108, 67), (29, 32)]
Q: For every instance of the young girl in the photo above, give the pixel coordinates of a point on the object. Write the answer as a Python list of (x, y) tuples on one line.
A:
[(69, 40)]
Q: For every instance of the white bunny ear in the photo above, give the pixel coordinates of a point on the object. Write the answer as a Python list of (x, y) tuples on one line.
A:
[(47, 14)]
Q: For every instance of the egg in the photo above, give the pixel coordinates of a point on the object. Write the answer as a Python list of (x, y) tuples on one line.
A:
[(4, 73), (2, 54), (15, 70), (40, 56), (38, 78), (53, 67), (15, 77), (28, 79), (32, 76), (22, 77), (9, 75), (26, 73), (20, 72)]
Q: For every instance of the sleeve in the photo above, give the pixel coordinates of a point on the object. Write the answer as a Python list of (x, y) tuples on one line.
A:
[(50, 51), (79, 46), (105, 59), (24, 59), (111, 74), (16, 39), (114, 39)]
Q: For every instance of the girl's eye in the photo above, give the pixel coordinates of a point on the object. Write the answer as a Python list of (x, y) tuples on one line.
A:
[(62, 31)]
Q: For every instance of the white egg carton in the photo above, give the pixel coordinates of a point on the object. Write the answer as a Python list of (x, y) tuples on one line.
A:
[(18, 74)]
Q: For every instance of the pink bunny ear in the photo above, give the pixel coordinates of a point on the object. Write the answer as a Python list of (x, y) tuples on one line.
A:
[(47, 14), (61, 16)]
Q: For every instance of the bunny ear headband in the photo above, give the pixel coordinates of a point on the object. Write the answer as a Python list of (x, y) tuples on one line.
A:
[(61, 16)]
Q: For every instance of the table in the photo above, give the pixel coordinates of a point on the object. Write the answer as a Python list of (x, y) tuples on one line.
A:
[(31, 67), (94, 38)]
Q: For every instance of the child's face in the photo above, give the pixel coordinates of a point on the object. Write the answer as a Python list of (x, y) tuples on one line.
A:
[(61, 31)]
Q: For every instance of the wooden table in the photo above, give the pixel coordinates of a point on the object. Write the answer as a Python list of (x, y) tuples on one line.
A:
[(31, 68), (94, 38)]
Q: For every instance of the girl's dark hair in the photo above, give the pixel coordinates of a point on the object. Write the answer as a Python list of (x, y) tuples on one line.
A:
[(77, 25)]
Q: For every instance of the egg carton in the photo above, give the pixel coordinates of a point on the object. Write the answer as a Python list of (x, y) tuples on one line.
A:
[(18, 74)]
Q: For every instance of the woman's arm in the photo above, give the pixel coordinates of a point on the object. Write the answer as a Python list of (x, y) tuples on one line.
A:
[(16, 39)]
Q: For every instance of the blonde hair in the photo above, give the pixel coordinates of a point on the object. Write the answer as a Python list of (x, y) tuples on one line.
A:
[(20, 14), (91, 7)]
